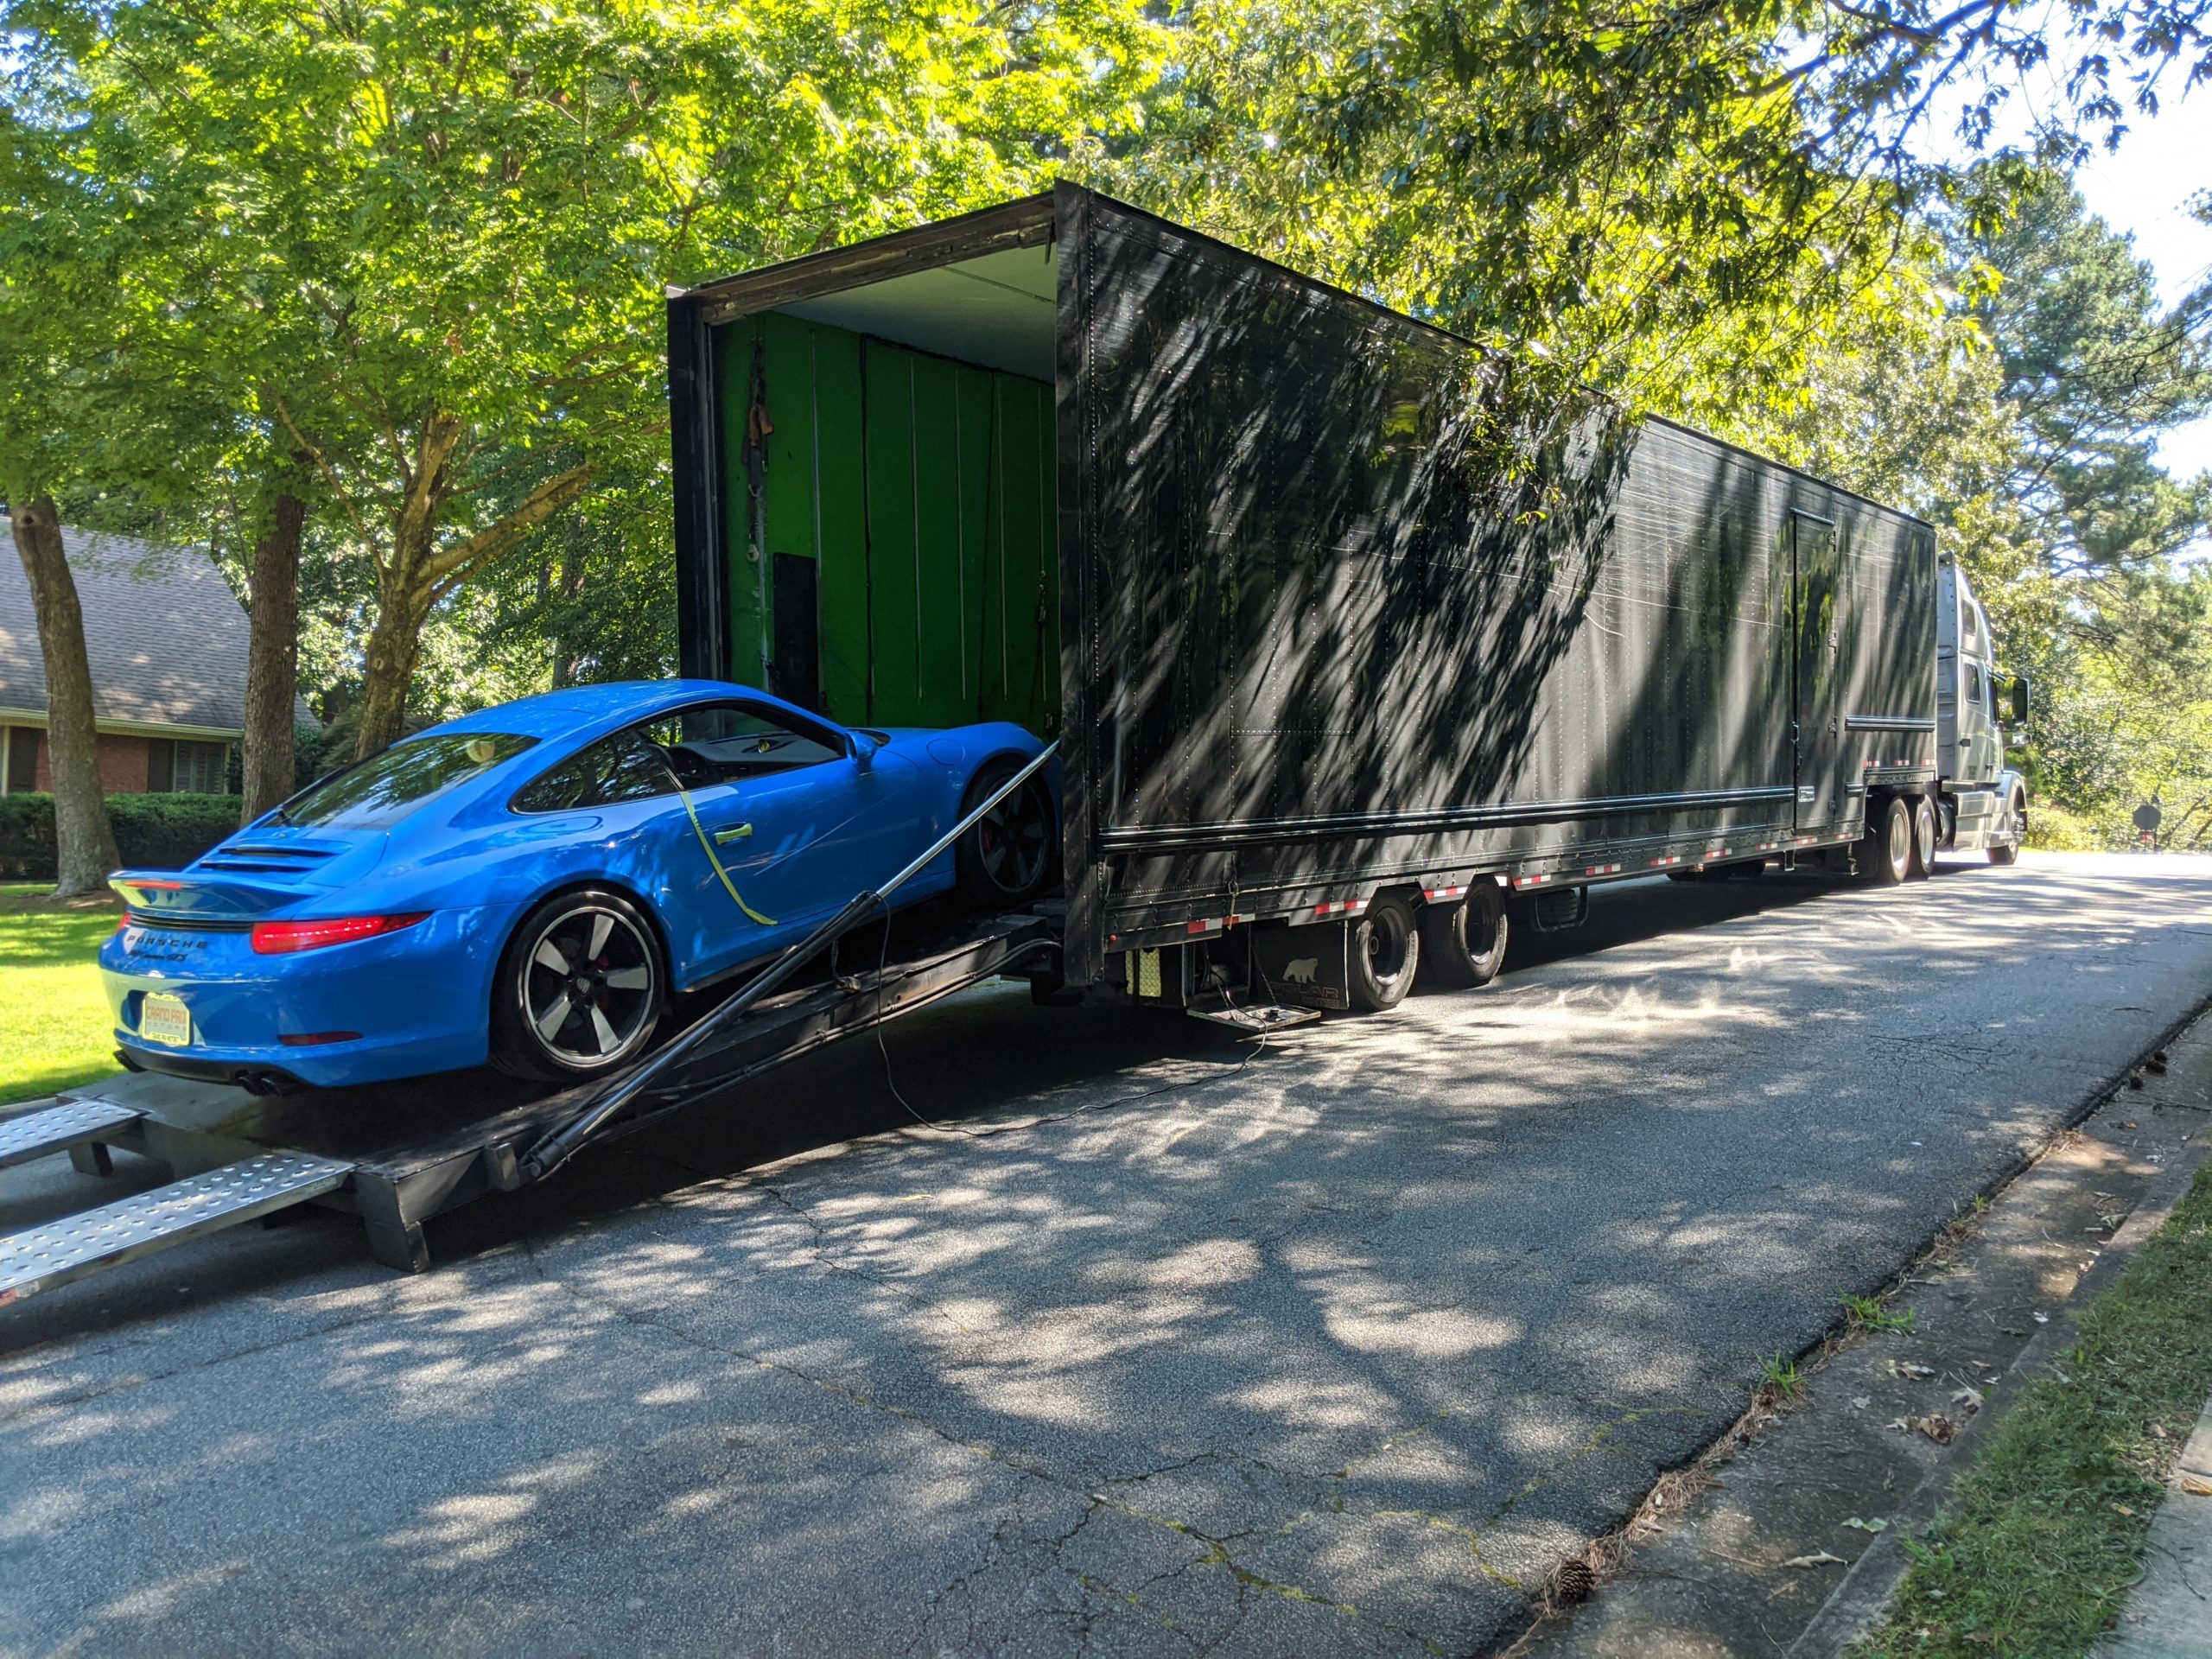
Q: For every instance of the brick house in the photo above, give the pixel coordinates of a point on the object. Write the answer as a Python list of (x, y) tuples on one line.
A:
[(167, 642)]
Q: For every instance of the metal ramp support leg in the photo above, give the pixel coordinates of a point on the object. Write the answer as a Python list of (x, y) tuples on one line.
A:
[(392, 1214)]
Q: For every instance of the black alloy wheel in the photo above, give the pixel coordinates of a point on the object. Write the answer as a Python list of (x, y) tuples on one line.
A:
[(1005, 858), (579, 988)]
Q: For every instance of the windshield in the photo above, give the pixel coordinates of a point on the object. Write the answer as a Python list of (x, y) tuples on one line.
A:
[(386, 787)]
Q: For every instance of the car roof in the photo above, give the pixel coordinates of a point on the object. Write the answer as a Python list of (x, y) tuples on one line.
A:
[(577, 708)]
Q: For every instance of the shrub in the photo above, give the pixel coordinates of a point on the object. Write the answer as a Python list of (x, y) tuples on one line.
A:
[(27, 837), (167, 832), (2054, 829), (157, 832)]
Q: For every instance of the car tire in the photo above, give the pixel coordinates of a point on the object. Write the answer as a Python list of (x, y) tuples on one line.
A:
[(1006, 859), (579, 988), (1924, 838), (1385, 955), (1886, 855), (1462, 943)]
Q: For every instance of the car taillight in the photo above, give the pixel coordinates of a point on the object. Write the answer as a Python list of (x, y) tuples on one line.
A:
[(282, 938)]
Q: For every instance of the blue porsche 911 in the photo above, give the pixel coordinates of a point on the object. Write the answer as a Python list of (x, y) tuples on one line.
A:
[(531, 884)]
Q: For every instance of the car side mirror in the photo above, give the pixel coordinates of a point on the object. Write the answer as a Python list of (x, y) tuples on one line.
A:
[(2019, 699), (863, 748)]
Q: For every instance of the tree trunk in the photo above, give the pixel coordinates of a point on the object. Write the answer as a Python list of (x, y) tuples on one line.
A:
[(406, 587), (418, 572), (84, 842), (565, 653), (395, 644), (273, 669)]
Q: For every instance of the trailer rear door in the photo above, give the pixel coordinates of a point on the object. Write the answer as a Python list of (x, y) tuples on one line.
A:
[(1817, 590)]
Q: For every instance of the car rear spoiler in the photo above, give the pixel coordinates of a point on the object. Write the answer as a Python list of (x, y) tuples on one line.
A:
[(186, 899)]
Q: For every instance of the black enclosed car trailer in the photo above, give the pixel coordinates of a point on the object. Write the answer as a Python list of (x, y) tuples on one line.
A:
[(1317, 666), (1310, 646)]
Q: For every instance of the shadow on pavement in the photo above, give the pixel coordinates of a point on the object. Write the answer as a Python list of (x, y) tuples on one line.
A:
[(1162, 1342)]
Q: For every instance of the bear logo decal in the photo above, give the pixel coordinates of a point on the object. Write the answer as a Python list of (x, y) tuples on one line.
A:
[(1301, 971)]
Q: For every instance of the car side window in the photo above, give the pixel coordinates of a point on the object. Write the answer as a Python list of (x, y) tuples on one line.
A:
[(724, 742), (627, 766), (1973, 687)]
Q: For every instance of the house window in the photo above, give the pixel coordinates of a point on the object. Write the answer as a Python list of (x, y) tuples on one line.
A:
[(181, 766), (22, 758)]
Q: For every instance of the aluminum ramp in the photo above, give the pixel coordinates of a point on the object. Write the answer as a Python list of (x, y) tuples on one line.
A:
[(79, 1128), (39, 1258)]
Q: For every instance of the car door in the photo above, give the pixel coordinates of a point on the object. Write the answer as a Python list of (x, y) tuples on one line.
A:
[(793, 817), (613, 808)]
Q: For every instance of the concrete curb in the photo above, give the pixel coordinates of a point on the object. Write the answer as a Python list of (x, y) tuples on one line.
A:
[(1867, 1588), (2165, 1612)]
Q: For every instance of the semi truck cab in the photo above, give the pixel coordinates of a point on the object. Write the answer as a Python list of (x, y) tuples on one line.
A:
[(1981, 804)]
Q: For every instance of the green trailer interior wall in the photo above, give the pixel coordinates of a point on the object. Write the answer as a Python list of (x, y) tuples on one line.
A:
[(922, 489)]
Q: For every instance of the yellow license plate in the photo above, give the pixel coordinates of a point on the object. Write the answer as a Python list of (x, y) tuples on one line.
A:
[(165, 1019)]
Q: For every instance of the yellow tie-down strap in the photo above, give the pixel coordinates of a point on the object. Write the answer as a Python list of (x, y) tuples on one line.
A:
[(700, 830)]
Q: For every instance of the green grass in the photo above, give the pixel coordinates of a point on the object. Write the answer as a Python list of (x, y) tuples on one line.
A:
[(53, 1024), (1867, 1313), (2046, 1532), (1780, 1381)]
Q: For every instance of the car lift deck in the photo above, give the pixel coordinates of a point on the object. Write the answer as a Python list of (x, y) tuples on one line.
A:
[(398, 1153)]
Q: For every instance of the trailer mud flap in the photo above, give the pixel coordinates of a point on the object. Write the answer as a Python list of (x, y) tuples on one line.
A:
[(1310, 966)]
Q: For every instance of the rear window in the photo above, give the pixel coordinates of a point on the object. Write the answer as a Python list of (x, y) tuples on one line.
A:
[(386, 787), (626, 766)]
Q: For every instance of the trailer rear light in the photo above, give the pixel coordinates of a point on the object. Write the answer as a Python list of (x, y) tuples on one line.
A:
[(283, 938)]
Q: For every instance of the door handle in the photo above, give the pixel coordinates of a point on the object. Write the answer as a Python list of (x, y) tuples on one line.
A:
[(724, 836)]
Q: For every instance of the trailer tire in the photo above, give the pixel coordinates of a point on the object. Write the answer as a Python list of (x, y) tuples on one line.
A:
[(1924, 838), (1462, 943), (609, 965), (1886, 855), (1003, 862), (1385, 955)]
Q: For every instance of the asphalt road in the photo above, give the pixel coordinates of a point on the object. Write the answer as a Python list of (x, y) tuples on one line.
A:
[(1163, 1346)]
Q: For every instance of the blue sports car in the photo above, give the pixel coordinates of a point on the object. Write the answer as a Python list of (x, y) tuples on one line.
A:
[(529, 885)]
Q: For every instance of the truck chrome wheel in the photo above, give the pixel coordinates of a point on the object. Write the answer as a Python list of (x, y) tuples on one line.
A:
[(1385, 955), (1923, 837), (1885, 856), (1464, 944), (579, 988), (2008, 850)]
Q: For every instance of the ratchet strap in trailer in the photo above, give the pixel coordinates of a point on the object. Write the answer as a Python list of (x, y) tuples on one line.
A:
[(560, 1143)]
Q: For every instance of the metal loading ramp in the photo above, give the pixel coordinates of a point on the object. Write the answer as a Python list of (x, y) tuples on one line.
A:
[(398, 1153)]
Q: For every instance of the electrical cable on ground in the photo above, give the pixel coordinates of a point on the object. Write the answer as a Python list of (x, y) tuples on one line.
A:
[(1259, 1046)]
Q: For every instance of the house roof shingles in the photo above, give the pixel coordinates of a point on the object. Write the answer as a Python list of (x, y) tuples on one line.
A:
[(165, 636)]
